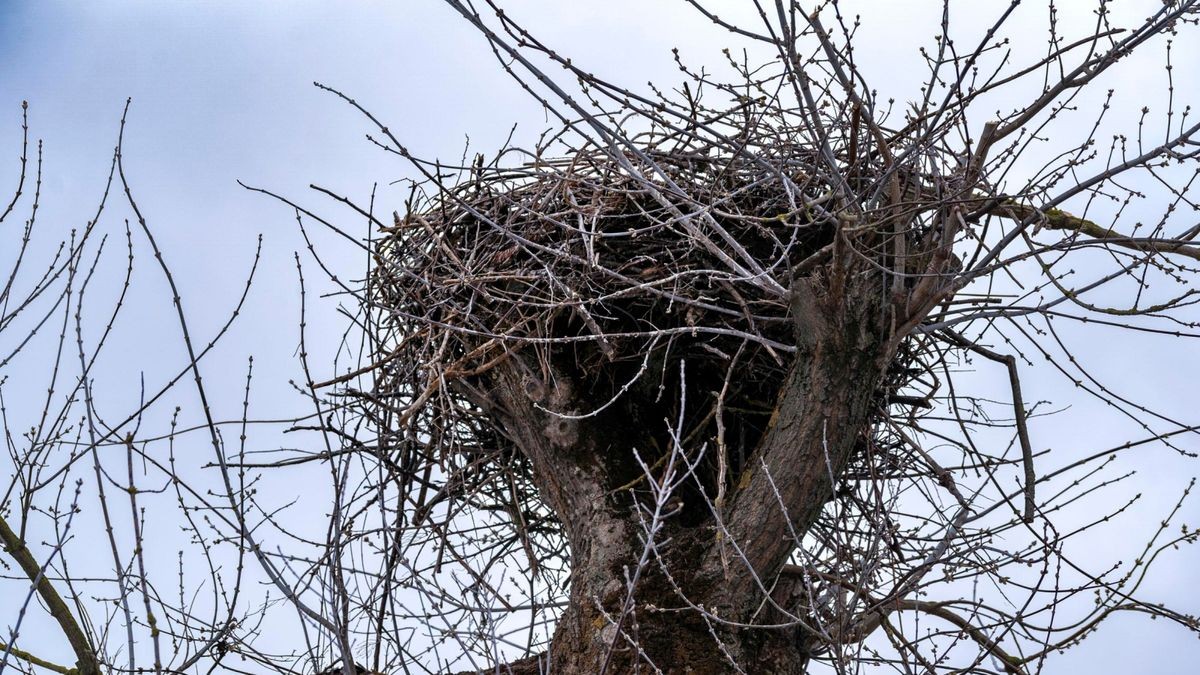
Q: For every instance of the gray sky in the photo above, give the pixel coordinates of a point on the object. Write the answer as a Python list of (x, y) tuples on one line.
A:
[(222, 91)]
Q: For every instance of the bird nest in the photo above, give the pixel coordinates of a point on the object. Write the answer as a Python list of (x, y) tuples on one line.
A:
[(606, 267)]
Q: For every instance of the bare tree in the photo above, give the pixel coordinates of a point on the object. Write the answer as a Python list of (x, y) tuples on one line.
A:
[(74, 511), (697, 350), (683, 387)]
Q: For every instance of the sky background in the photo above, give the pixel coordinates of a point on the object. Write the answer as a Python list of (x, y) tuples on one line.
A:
[(222, 91)]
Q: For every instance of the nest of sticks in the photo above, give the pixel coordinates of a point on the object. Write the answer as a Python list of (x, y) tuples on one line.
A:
[(606, 265)]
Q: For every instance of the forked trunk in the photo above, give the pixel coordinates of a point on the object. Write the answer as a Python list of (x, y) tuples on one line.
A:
[(695, 601)]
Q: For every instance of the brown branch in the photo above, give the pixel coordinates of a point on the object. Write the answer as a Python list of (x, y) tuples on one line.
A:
[(872, 619), (1056, 219), (1012, 664), (30, 658), (86, 661), (1019, 415)]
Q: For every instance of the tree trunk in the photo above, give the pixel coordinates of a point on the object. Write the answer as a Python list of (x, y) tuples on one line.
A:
[(822, 412)]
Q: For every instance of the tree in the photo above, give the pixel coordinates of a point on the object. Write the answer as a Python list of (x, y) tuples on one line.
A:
[(684, 387), (708, 339)]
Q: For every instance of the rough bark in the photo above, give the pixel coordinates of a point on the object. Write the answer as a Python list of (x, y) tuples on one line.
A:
[(822, 411)]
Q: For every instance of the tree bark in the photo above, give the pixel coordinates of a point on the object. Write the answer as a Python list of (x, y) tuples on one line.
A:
[(728, 562)]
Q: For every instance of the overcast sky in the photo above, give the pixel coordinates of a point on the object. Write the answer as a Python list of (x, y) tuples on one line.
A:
[(222, 91)]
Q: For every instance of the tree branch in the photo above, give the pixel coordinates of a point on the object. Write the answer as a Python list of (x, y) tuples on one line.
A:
[(86, 661), (1056, 219), (30, 658)]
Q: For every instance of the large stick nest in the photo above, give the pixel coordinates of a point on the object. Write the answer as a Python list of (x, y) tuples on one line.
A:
[(605, 265)]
